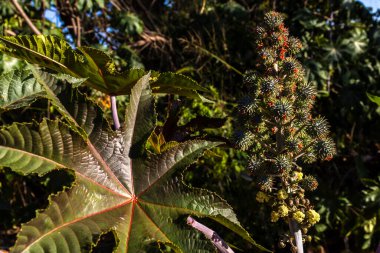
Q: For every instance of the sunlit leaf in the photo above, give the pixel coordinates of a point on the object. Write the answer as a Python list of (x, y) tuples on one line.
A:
[(93, 65), (119, 186)]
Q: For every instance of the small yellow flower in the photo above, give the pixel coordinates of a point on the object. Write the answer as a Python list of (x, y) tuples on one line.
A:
[(274, 216), (261, 197), (298, 216), (312, 217), (298, 175), (283, 211), (281, 195)]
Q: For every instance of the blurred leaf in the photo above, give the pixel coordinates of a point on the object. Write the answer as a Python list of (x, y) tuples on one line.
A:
[(374, 98)]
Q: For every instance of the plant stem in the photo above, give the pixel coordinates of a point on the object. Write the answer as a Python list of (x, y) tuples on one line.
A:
[(212, 55), (296, 233), (25, 17), (218, 242), (114, 113)]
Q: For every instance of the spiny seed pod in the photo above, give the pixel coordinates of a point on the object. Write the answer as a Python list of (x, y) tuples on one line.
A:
[(282, 109), (309, 183), (302, 116), (266, 183), (295, 45), (290, 66), (255, 165), (269, 86), (243, 139), (306, 92), (273, 19), (268, 56), (292, 145), (325, 148), (261, 32), (318, 128), (248, 106), (309, 157), (282, 164), (250, 78)]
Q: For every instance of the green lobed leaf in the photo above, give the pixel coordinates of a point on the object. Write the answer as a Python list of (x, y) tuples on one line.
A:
[(94, 66), (373, 98), (119, 185), (19, 88)]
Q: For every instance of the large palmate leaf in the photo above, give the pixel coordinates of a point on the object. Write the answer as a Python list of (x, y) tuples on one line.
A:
[(84, 62), (119, 186)]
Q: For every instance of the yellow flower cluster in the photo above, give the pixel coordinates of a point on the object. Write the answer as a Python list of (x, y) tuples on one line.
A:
[(283, 211), (312, 217), (274, 216), (298, 216), (261, 197), (298, 175), (281, 195)]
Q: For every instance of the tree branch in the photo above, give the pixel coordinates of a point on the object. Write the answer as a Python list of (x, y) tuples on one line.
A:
[(25, 17)]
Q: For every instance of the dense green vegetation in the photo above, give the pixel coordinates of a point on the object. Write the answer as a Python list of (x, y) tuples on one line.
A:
[(213, 42)]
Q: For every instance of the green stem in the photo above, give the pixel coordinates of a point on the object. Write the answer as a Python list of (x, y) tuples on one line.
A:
[(229, 66)]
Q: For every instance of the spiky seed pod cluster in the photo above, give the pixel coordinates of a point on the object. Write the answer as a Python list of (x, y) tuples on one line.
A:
[(277, 128)]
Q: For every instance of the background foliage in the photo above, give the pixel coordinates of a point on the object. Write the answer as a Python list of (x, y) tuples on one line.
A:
[(213, 42)]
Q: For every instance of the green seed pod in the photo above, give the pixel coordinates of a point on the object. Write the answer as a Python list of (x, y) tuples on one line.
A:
[(325, 148), (282, 109), (282, 164), (292, 145), (306, 91), (268, 56), (243, 139), (290, 67), (273, 19), (261, 32), (248, 106), (318, 128), (250, 78), (295, 45), (302, 116), (256, 166), (265, 183), (309, 157), (269, 86), (309, 183)]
